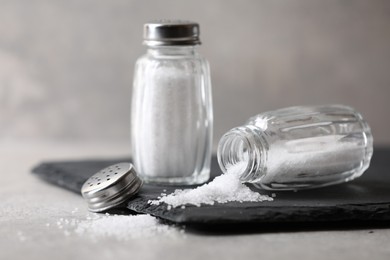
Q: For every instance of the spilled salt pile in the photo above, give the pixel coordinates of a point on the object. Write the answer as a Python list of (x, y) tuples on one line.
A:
[(222, 189), (119, 227)]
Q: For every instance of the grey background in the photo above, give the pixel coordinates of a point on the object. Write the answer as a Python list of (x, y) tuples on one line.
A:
[(66, 66)]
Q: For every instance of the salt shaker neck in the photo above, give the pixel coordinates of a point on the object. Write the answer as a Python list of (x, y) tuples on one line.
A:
[(245, 146), (172, 51)]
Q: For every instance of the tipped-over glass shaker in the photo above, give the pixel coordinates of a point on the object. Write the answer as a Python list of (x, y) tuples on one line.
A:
[(298, 147), (172, 117)]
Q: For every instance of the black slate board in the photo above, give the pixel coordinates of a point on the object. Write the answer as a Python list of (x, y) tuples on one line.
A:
[(365, 200)]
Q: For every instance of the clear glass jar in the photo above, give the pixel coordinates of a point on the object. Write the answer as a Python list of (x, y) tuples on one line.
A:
[(298, 147), (172, 117)]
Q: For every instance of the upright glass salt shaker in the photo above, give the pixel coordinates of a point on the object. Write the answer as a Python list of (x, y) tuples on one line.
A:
[(172, 116), (298, 147)]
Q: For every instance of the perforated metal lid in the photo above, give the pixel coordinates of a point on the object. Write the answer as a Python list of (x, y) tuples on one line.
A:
[(171, 32), (111, 187)]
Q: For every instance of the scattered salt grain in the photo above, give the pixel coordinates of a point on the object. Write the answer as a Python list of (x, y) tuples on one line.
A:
[(222, 189), (119, 227)]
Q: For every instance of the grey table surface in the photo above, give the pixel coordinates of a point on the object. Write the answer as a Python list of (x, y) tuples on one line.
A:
[(30, 209)]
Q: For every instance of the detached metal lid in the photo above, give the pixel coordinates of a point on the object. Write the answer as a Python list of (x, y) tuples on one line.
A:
[(111, 187), (171, 32)]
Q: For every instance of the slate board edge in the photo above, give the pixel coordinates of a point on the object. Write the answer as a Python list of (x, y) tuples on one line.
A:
[(60, 178), (347, 212)]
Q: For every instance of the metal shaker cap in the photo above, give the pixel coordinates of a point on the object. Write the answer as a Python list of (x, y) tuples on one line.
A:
[(111, 187), (171, 32)]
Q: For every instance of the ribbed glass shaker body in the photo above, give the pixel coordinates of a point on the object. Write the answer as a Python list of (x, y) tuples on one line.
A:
[(172, 117), (298, 148)]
